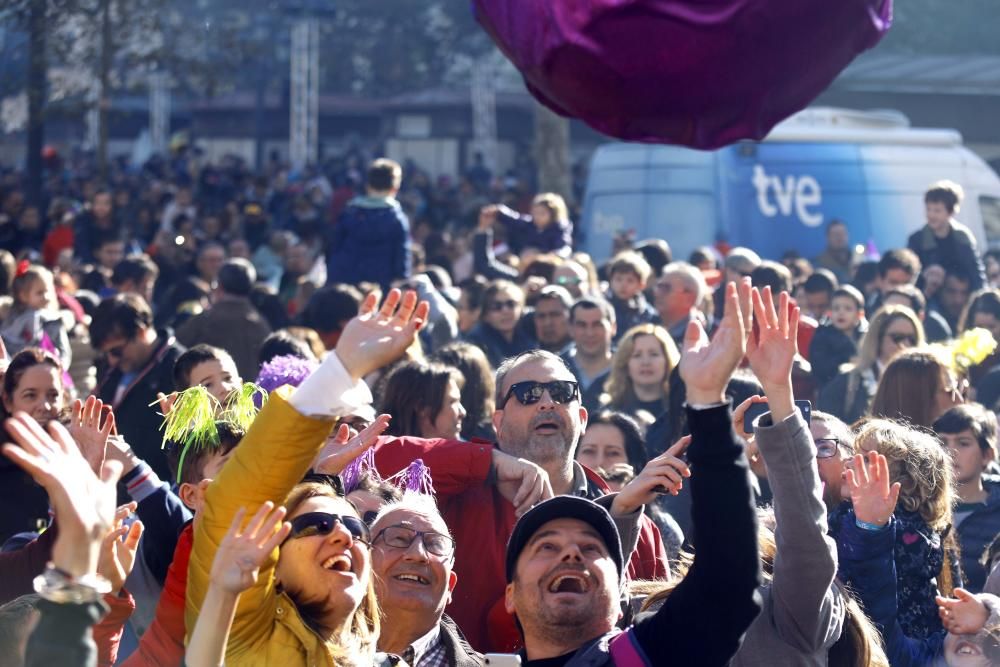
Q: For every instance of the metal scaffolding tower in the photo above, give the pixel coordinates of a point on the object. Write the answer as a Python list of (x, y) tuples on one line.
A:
[(159, 111), (484, 111), (304, 122)]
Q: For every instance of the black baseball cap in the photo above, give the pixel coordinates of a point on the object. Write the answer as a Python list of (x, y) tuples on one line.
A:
[(564, 507)]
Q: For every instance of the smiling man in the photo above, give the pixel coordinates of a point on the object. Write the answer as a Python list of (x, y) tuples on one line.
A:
[(412, 558)]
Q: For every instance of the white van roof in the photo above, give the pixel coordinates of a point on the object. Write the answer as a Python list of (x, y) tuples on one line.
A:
[(836, 125)]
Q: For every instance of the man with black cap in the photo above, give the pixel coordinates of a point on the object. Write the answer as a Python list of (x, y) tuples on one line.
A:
[(564, 561)]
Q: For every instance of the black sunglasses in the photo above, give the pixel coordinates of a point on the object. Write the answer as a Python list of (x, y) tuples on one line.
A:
[(323, 523), (497, 306), (531, 391)]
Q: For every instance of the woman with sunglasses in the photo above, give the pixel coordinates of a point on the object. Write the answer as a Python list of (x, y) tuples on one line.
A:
[(917, 387), (498, 333), (849, 394), (314, 602)]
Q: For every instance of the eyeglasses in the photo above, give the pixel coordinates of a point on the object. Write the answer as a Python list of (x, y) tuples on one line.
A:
[(401, 537), (323, 523), (899, 339), (531, 391), (497, 306), (568, 280), (826, 447)]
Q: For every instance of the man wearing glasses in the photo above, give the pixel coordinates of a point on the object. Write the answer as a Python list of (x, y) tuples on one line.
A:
[(412, 559), (539, 419), (139, 364)]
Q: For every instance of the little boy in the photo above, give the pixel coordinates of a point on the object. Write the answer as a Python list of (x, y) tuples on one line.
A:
[(836, 340), (628, 273), (969, 432), (210, 367)]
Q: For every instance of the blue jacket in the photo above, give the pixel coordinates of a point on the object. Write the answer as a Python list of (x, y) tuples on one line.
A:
[(369, 243), (976, 531), (522, 233), (866, 559)]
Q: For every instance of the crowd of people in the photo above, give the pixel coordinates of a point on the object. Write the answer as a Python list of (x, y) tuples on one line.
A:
[(351, 417)]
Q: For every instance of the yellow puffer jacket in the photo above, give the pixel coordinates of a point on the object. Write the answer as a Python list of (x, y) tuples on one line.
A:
[(275, 454)]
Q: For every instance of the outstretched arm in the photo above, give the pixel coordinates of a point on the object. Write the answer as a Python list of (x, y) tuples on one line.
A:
[(706, 615)]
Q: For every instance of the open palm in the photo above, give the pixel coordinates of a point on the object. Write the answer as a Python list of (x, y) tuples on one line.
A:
[(242, 552), (341, 449), (378, 337), (873, 497), (706, 366), (772, 350)]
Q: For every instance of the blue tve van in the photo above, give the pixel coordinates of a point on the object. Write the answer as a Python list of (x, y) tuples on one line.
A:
[(869, 169)]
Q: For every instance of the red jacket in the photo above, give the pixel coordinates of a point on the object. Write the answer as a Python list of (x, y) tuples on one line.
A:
[(162, 645), (481, 521)]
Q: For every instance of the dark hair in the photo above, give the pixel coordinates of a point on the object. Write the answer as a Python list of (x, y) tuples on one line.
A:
[(635, 443), (589, 303), (105, 237), (135, 269), (237, 277), (122, 314), (986, 301), (821, 280), (21, 362), (198, 354), (414, 390), (773, 275), (918, 302), (899, 258), (496, 286), (849, 292), (267, 302), (229, 435), (281, 343), (656, 252), (473, 289), (330, 307), (970, 417), (865, 273), (945, 192), (479, 387), (703, 254), (384, 174), (386, 491)]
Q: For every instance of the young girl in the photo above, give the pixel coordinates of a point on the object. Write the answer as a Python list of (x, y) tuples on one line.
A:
[(924, 551), (34, 319)]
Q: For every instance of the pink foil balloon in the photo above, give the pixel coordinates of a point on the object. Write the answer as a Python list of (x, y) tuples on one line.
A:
[(698, 73)]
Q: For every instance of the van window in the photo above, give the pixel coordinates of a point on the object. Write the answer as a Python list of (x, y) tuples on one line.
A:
[(990, 206)]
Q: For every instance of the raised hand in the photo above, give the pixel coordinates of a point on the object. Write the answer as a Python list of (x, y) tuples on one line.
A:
[(964, 614), (119, 450), (166, 402), (242, 552), (521, 482), (83, 502), (119, 548), (663, 474), (772, 350), (90, 426), (874, 499), (707, 366), (343, 447), (377, 337)]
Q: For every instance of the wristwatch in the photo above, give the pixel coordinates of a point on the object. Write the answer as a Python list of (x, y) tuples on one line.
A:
[(61, 587)]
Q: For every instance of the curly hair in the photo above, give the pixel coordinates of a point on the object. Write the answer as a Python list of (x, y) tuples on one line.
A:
[(620, 391), (920, 464)]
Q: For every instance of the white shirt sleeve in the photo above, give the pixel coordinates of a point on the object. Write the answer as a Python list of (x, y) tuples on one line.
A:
[(330, 392)]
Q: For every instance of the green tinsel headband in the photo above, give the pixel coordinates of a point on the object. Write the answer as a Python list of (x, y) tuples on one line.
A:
[(191, 421)]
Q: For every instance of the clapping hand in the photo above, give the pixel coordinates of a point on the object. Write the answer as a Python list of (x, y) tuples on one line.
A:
[(377, 337), (242, 552), (90, 426), (706, 366), (965, 614), (344, 446), (83, 502), (119, 548), (873, 497)]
